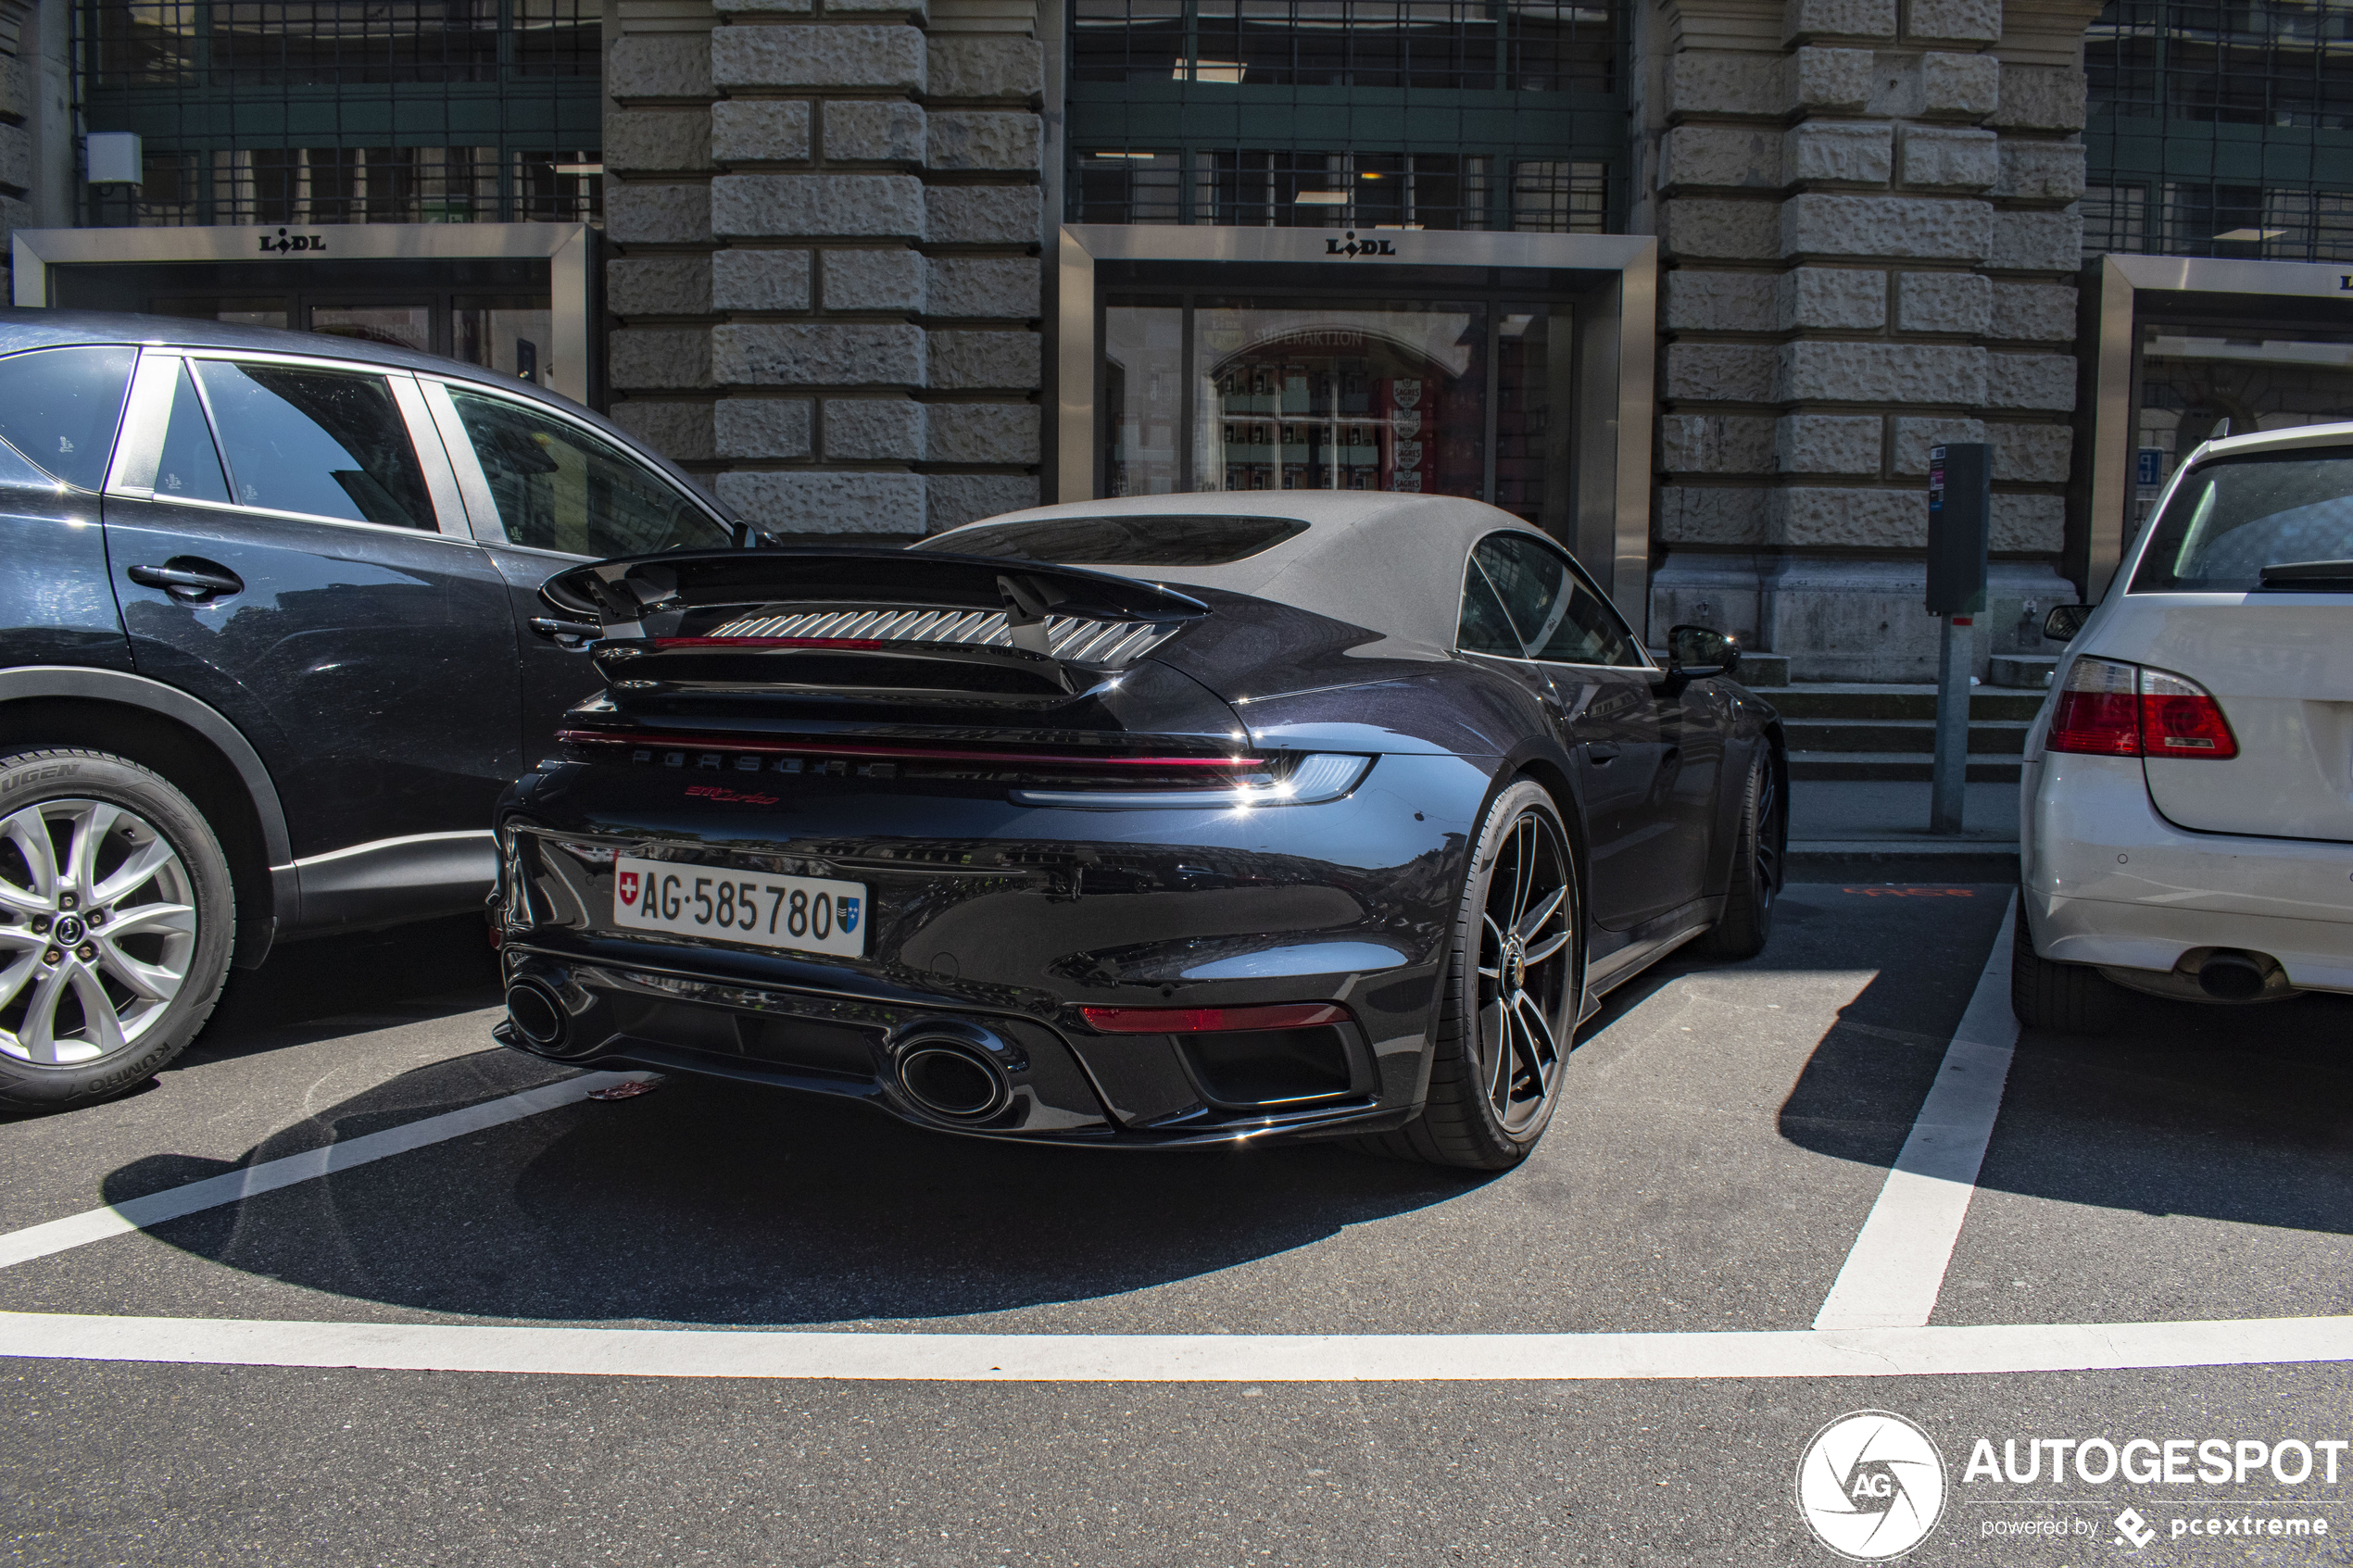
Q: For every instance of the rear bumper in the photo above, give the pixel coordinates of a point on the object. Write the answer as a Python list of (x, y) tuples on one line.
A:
[(2108, 880)]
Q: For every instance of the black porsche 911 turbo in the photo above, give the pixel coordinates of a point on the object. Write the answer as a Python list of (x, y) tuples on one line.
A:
[(1162, 821)]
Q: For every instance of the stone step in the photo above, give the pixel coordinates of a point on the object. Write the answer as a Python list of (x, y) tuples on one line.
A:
[(1840, 701), (1987, 737), (2031, 671), (1894, 765)]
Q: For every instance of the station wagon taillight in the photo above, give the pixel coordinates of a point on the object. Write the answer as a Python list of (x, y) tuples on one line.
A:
[(2110, 709)]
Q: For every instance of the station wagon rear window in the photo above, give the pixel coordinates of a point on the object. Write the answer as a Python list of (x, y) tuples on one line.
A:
[(1181, 539), (2232, 517)]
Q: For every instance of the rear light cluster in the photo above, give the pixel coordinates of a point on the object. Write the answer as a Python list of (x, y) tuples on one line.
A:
[(2108, 709)]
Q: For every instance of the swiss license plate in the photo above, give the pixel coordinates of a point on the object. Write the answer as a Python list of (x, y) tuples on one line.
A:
[(802, 915)]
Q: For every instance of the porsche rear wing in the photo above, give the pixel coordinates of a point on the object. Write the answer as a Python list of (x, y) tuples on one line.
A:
[(833, 616)]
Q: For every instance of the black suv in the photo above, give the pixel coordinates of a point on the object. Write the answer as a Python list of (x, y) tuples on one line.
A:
[(270, 645)]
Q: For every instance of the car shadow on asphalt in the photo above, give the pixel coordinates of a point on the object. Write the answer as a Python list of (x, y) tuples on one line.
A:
[(428, 969)]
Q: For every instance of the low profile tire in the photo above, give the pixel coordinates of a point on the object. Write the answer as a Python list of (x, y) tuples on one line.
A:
[(2067, 998), (1759, 865), (1515, 969), (116, 920)]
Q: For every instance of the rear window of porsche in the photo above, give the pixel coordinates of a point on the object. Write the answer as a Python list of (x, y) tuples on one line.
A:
[(2232, 517), (1180, 539)]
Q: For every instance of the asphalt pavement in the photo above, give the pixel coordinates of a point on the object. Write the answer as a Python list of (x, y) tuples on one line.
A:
[(275, 1380)]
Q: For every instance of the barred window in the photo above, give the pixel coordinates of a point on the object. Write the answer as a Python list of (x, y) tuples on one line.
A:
[(245, 43), (1553, 198), (355, 185), (1528, 45)]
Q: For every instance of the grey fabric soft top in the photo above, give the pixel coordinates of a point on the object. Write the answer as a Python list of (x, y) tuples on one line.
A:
[(1391, 563)]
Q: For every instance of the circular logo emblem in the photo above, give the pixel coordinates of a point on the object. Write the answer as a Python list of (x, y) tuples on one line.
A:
[(67, 931), (1870, 1486)]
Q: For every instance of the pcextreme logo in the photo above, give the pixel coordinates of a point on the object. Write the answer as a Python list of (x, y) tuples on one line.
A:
[(1870, 1486)]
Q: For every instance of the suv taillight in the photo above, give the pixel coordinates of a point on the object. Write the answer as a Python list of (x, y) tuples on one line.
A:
[(2108, 709)]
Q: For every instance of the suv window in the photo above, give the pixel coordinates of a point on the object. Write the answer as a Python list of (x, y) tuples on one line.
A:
[(325, 443), (59, 407), (1560, 619), (558, 487), (190, 468)]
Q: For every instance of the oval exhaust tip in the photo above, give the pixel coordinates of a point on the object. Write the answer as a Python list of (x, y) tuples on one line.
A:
[(536, 1016), (2232, 977), (951, 1078)]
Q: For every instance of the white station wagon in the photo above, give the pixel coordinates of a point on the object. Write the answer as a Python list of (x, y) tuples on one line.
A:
[(2186, 816)]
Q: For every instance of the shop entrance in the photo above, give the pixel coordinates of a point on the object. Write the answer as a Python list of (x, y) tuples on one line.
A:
[(1442, 372)]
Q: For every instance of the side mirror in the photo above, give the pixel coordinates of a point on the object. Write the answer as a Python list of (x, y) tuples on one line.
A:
[(1696, 652), (2064, 622)]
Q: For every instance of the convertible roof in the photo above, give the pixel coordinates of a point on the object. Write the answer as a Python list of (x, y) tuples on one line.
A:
[(1391, 563)]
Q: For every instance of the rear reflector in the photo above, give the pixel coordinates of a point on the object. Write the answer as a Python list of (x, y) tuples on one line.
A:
[(2108, 709), (1214, 1020)]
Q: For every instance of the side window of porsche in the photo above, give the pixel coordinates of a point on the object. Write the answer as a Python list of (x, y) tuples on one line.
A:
[(1560, 619), (1484, 627)]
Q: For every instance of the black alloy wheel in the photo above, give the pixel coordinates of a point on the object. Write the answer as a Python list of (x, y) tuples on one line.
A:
[(1511, 986)]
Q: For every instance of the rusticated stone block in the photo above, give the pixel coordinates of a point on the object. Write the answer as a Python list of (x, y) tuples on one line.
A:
[(873, 430), (920, 9), (1747, 230), (2027, 525), (1715, 442), (658, 285), (1950, 159), (658, 65), (1719, 155), (1835, 80), (1954, 22), (642, 214), (1817, 224), (1943, 301), (817, 354), (977, 66), (967, 497), (873, 279), (817, 56), (1714, 515), (974, 361), (2030, 381), (766, 7), (1717, 81), (658, 358), (2043, 312), (760, 130), (984, 433), (1964, 86), (797, 501), (2030, 453), (680, 431), (2040, 241), (1828, 443), (759, 280), (2041, 98), (1005, 288), (793, 206), (1721, 372), (1831, 149), (1881, 372), (1833, 298), (16, 86), (1719, 302), (885, 132), (1913, 437), (1841, 19), (982, 214), (2041, 170), (763, 427), (984, 139), (1815, 515), (657, 139)]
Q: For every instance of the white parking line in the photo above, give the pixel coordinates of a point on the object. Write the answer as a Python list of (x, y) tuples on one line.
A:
[(1896, 1267), (1171, 1358), (138, 1213)]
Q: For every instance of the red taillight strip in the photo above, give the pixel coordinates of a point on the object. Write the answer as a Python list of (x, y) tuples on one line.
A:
[(1213, 1020), (856, 644), (764, 745)]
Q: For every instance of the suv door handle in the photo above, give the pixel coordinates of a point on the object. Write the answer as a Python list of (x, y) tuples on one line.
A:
[(186, 584), (548, 626), (1601, 753)]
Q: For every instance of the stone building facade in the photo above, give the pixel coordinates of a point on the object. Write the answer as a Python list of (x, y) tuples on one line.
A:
[(825, 220)]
